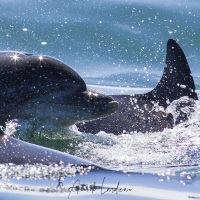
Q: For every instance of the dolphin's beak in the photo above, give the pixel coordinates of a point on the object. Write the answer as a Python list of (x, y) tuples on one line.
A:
[(110, 108), (103, 102), (106, 104), (97, 104)]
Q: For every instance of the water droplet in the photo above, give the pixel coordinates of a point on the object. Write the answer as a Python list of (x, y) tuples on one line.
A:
[(44, 43), (25, 29)]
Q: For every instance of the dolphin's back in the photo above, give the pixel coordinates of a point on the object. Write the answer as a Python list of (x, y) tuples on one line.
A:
[(141, 112), (19, 152), (176, 81)]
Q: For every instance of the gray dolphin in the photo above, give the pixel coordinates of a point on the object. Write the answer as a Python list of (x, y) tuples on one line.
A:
[(34, 87), (19, 152), (138, 113), (46, 89)]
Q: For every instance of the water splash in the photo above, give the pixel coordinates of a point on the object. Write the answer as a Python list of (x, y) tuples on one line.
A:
[(177, 146), (39, 171)]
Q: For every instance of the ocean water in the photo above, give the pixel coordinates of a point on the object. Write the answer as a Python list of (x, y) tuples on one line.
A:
[(118, 47), (104, 40)]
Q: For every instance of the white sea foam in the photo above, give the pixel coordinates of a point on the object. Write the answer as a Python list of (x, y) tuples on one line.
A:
[(177, 146)]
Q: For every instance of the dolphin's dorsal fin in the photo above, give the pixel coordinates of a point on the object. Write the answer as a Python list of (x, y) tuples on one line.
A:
[(177, 80)]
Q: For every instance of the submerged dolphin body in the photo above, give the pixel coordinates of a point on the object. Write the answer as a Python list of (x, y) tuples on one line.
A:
[(147, 112), (19, 152), (42, 88)]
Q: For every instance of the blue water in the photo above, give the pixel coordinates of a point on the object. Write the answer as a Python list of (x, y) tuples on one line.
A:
[(104, 39), (115, 43)]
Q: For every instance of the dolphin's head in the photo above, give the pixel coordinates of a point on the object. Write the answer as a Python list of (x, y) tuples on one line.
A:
[(45, 88)]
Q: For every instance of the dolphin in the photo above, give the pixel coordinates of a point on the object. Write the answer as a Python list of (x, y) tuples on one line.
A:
[(18, 152), (42, 88), (147, 112), (36, 87)]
